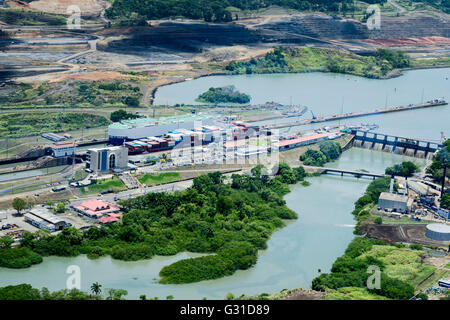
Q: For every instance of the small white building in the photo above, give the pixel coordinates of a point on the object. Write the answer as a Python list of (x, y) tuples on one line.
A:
[(105, 159), (64, 149)]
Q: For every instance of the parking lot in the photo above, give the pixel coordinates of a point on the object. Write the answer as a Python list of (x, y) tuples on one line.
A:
[(17, 225)]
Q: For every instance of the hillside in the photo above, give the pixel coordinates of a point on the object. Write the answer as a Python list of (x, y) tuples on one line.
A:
[(306, 59)]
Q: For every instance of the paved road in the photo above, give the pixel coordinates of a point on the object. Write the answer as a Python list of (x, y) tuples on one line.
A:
[(400, 9)]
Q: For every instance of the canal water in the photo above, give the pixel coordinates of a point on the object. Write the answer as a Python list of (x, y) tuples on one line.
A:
[(295, 253), (325, 224), (326, 94), (30, 173)]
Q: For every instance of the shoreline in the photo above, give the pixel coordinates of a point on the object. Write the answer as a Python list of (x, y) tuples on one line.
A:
[(396, 73)]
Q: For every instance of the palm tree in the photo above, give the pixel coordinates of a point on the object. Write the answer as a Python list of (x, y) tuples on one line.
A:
[(96, 288)]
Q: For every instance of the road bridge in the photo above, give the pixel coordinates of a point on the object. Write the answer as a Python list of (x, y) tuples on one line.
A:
[(324, 170)]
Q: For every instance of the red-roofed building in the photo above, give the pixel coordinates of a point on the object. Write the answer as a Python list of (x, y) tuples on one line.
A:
[(108, 219), (97, 208), (303, 141), (63, 149)]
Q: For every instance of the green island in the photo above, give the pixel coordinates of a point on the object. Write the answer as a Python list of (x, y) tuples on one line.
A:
[(227, 94), (308, 59), (228, 221)]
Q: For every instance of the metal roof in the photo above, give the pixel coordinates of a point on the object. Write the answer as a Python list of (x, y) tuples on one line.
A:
[(393, 197), (439, 227)]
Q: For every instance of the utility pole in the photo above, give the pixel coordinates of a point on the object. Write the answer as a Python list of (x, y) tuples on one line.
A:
[(443, 179)]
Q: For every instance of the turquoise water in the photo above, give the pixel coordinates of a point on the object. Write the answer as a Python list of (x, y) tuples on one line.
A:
[(325, 224), (295, 253), (326, 94)]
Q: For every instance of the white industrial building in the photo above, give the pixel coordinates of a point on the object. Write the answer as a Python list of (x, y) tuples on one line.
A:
[(395, 202), (43, 219), (105, 159), (126, 130)]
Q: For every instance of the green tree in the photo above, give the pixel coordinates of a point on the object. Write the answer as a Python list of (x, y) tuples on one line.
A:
[(445, 202), (96, 288), (6, 242), (116, 294), (61, 207), (121, 114), (19, 204)]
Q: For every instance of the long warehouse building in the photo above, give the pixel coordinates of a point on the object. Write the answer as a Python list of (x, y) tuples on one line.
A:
[(135, 129)]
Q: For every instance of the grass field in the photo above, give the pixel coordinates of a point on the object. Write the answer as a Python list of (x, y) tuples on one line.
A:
[(30, 18), (401, 263), (25, 124), (352, 293), (162, 178), (114, 184), (432, 62), (71, 94)]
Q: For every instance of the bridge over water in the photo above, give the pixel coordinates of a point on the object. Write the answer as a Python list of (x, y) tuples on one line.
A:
[(354, 173)]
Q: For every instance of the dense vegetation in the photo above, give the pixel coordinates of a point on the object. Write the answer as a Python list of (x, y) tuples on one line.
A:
[(227, 94), (25, 124), (27, 292), (231, 220), (404, 169), (445, 202), (30, 18), (328, 151), (76, 94), (121, 114), (18, 258), (436, 169), (136, 11), (304, 59), (443, 5), (400, 268)]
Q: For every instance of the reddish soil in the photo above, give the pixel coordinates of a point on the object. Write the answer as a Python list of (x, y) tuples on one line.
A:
[(399, 233)]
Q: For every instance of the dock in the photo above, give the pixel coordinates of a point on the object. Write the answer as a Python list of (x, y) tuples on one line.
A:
[(429, 104)]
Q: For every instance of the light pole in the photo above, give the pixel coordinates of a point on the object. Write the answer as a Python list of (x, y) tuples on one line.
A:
[(443, 178)]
